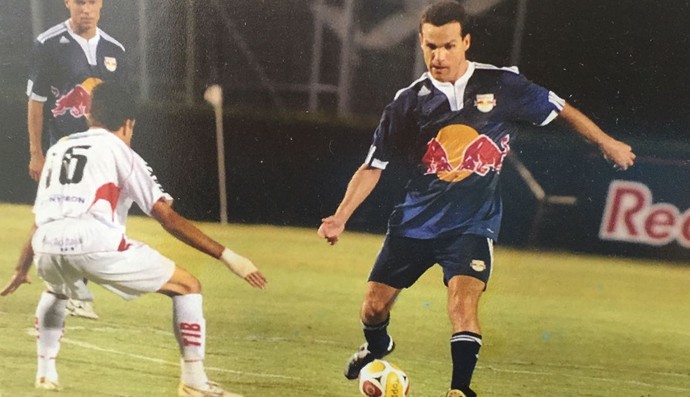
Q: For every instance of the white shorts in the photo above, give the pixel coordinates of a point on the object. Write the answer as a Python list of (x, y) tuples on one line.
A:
[(138, 270)]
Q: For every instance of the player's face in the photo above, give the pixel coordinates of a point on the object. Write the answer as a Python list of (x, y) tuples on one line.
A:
[(84, 15), (444, 50)]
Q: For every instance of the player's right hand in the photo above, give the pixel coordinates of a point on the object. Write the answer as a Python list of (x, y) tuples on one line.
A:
[(17, 280), (331, 228), (36, 166)]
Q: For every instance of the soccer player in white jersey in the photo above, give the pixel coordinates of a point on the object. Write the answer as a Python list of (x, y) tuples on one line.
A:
[(87, 186)]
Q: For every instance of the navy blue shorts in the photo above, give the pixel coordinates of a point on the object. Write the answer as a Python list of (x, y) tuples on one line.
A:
[(402, 261)]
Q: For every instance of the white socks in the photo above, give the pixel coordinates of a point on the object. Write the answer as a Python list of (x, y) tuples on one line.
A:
[(190, 330), (188, 324), (50, 321)]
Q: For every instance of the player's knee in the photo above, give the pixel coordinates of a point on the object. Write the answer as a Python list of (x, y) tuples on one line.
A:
[(373, 310), (192, 285)]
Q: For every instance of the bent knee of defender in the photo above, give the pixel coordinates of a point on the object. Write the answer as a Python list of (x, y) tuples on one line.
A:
[(181, 283), (193, 285)]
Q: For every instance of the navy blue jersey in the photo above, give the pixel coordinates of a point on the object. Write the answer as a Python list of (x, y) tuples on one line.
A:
[(454, 138), (64, 69)]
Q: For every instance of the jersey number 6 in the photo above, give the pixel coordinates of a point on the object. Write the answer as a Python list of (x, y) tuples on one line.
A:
[(73, 163)]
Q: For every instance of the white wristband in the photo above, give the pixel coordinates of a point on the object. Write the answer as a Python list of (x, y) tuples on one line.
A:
[(238, 264)]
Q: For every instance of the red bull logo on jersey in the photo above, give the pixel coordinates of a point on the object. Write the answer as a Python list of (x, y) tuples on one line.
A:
[(110, 63), (76, 101), (459, 151), (485, 102)]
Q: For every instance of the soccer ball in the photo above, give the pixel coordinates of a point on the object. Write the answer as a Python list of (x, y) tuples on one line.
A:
[(380, 378)]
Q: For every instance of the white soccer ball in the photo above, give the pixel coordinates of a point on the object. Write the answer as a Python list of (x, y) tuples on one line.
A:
[(380, 378)]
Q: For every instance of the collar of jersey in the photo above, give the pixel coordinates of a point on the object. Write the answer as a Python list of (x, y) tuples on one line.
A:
[(89, 46), (90, 131), (455, 91)]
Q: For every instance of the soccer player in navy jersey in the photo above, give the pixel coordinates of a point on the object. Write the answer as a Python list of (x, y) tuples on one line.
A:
[(67, 62), (452, 128)]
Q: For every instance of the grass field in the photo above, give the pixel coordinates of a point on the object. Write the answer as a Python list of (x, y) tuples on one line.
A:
[(554, 324)]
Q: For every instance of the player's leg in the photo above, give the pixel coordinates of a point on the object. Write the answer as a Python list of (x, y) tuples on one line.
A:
[(80, 308), (467, 262), (189, 327), (62, 280), (139, 270), (398, 265), (375, 316), (463, 302), (49, 322)]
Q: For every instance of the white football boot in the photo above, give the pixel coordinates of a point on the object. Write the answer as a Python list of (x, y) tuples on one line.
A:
[(82, 309), (46, 384), (214, 390)]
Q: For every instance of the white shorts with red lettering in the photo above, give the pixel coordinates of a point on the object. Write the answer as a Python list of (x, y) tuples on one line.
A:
[(131, 273)]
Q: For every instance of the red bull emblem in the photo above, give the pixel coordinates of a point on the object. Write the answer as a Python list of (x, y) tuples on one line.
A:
[(110, 63), (485, 102), (459, 151), (76, 101)]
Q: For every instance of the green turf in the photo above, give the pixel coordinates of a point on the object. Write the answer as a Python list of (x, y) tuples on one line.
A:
[(554, 324)]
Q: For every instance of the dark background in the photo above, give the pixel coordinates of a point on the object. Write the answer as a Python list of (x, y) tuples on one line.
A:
[(624, 63)]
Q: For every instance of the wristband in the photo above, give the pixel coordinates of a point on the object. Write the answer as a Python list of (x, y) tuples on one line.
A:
[(238, 264)]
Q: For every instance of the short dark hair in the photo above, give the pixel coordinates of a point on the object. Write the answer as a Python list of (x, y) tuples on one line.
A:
[(441, 13), (111, 105)]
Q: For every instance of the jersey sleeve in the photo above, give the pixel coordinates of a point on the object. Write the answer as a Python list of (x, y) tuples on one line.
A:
[(534, 103), (141, 185), (393, 123), (123, 70), (38, 85)]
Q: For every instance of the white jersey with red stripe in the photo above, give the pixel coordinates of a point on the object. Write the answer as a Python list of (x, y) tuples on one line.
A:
[(89, 182)]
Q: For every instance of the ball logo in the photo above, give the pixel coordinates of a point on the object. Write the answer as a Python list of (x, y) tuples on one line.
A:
[(394, 387), (458, 151), (371, 390)]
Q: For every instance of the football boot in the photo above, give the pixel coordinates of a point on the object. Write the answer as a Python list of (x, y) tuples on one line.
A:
[(364, 357)]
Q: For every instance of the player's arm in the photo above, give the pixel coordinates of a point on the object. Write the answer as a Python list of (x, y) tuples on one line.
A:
[(35, 126), (361, 185), (21, 273), (185, 231), (618, 152)]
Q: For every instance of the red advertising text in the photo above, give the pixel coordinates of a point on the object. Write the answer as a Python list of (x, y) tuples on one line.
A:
[(630, 215)]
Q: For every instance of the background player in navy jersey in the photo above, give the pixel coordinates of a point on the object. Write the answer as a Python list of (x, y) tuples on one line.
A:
[(67, 62), (79, 231), (452, 128)]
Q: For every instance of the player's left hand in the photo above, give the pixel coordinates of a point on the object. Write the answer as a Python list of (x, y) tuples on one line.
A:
[(619, 153), (256, 280), (17, 280), (244, 268)]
